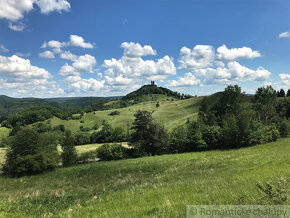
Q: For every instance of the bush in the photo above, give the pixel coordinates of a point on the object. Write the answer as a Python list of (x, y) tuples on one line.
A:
[(15, 130), (87, 157), (69, 154), (284, 128), (95, 127), (272, 133), (81, 138), (41, 127), (118, 135), (30, 153), (186, 138), (114, 113), (60, 128), (230, 131), (84, 129), (212, 135), (30, 164), (111, 152)]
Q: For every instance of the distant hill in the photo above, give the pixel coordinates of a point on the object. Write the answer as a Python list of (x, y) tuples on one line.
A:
[(152, 89), (10, 105)]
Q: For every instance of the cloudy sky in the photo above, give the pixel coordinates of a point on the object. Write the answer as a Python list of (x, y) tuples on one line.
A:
[(52, 48)]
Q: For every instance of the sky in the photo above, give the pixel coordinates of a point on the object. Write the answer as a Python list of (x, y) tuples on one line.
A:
[(59, 48)]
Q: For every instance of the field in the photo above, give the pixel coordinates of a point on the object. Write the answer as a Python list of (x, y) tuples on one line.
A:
[(159, 186), (4, 132), (170, 114)]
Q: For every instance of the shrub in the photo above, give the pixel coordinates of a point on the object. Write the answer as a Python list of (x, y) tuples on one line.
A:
[(82, 121), (84, 129), (60, 128), (95, 127), (118, 135), (114, 113), (69, 154), (178, 142), (272, 133), (186, 138), (30, 153), (212, 135), (81, 138), (111, 152), (15, 130), (30, 164), (284, 128), (41, 127), (230, 131), (87, 157), (102, 136)]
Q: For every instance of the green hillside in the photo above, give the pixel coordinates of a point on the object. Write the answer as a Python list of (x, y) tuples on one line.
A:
[(170, 113), (159, 186), (10, 105)]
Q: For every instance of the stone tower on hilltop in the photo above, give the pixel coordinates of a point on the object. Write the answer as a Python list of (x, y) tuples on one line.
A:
[(153, 83)]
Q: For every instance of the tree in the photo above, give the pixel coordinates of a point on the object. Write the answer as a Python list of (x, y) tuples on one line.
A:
[(69, 154), (147, 136), (30, 153), (288, 93), (281, 93), (265, 102), (230, 101)]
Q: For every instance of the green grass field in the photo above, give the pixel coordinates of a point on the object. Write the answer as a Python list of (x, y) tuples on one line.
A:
[(90, 147), (159, 186), (2, 155), (170, 114), (4, 132)]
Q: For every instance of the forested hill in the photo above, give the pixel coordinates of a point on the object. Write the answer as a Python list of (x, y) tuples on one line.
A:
[(10, 105), (151, 89)]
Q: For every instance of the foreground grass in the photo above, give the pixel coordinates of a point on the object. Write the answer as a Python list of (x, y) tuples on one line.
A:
[(159, 186)]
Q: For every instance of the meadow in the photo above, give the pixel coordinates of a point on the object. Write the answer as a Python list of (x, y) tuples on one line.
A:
[(4, 132), (157, 186), (169, 113)]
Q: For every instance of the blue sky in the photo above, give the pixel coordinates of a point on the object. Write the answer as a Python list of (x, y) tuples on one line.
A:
[(52, 48)]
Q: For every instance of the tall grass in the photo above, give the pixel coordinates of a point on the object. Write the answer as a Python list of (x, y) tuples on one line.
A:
[(159, 186)]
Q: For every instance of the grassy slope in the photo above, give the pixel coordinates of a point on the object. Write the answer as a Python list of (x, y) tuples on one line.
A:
[(169, 114), (4, 132), (150, 186)]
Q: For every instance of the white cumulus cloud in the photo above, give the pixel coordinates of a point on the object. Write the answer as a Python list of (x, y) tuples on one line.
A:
[(284, 35), (82, 64), (225, 54), (78, 84), (285, 78), (135, 50), (14, 10), (19, 69), (188, 80), (79, 41), (199, 57), (68, 56), (232, 73), (47, 6), (46, 54)]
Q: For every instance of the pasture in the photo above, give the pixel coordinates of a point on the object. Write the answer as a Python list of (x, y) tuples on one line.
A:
[(158, 186), (169, 113)]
